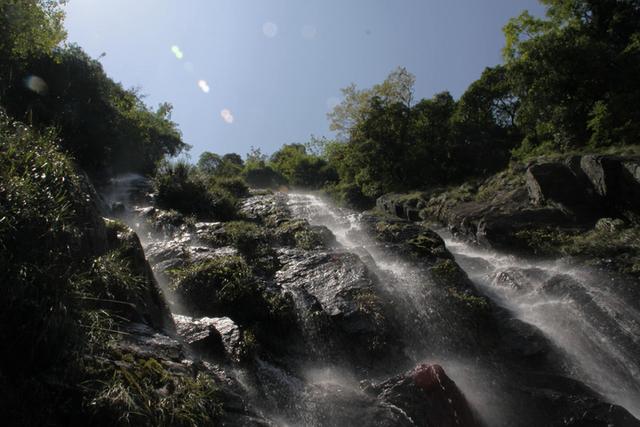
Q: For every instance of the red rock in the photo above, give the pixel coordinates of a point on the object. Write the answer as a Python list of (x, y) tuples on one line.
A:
[(448, 406)]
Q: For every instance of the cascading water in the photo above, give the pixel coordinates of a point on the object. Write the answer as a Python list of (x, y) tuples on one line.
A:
[(426, 327), (579, 311)]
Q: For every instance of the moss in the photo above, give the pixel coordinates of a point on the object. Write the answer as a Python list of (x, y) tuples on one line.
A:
[(222, 286), (505, 181), (252, 241), (618, 249), (477, 304), (390, 231), (544, 241), (427, 244), (447, 272)]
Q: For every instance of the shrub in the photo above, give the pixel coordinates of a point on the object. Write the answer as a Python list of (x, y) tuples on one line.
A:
[(235, 186), (178, 186), (43, 213), (222, 286)]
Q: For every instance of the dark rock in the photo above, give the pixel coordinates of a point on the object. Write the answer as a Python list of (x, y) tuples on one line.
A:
[(557, 183), (428, 397), (152, 306), (402, 206), (336, 300), (118, 208)]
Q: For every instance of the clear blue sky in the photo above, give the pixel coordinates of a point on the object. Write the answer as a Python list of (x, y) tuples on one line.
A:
[(265, 72)]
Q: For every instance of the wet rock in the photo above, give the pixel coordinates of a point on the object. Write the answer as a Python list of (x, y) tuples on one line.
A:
[(336, 298), (556, 182), (523, 340), (150, 304), (428, 397), (201, 335), (146, 342), (231, 337)]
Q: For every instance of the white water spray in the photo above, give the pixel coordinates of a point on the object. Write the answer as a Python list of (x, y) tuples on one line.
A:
[(575, 309)]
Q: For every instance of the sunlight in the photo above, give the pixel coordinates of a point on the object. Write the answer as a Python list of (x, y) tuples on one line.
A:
[(226, 116), (177, 52), (204, 86), (36, 84), (269, 29)]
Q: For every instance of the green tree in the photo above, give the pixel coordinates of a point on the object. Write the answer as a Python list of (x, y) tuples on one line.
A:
[(209, 163), (396, 88), (575, 74)]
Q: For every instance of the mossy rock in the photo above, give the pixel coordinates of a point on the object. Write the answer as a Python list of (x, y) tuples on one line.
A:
[(227, 286), (300, 234), (252, 241), (428, 244), (222, 286), (448, 272)]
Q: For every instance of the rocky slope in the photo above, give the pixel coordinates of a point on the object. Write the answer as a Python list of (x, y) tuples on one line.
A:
[(293, 313), (292, 325)]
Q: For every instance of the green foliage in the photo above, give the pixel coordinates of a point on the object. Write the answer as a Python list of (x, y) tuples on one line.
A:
[(29, 28), (229, 165), (43, 212), (575, 75), (178, 186), (260, 175), (236, 186), (302, 169), (144, 392), (355, 106), (106, 128), (226, 286), (222, 286)]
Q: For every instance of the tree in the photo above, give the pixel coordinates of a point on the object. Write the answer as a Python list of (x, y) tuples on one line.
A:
[(29, 28), (484, 129), (396, 88), (209, 163), (575, 74)]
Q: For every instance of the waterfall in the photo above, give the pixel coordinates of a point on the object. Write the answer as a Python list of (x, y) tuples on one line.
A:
[(416, 300), (579, 310)]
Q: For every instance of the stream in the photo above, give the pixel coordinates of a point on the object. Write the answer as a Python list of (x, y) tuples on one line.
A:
[(594, 329)]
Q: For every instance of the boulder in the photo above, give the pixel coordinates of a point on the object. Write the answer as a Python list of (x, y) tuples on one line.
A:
[(556, 182), (201, 335), (150, 305), (336, 303), (428, 397)]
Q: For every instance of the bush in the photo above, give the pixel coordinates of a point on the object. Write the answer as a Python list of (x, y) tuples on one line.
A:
[(222, 286), (263, 176), (178, 186), (235, 186), (44, 212)]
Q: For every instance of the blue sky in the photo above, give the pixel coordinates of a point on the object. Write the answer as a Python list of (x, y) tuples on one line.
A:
[(264, 73)]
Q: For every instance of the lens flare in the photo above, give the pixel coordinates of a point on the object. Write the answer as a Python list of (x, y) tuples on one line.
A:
[(204, 86), (177, 52), (188, 66), (226, 116), (269, 29), (36, 84)]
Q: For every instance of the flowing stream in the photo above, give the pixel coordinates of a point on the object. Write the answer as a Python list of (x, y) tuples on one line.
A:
[(416, 300), (594, 329), (577, 309)]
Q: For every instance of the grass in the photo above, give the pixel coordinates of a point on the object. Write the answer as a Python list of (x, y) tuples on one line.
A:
[(144, 392)]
